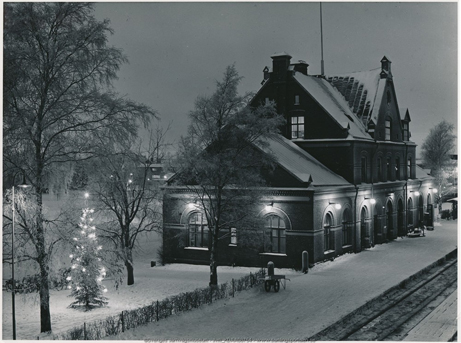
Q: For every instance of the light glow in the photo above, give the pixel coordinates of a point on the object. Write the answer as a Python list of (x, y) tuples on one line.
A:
[(87, 195), (416, 193), (435, 190), (338, 206), (372, 201), (68, 278)]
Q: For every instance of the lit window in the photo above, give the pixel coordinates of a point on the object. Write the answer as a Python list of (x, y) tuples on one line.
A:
[(297, 127), (296, 99), (327, 223), (233, 232), (387, 135), (198, 230), (275, 230)]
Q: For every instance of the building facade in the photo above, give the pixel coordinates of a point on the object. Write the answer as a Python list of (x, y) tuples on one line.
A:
[(346, 176)]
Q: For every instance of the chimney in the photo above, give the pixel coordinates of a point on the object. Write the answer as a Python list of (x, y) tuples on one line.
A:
[(386, 68), (280, 64), (301, 67)]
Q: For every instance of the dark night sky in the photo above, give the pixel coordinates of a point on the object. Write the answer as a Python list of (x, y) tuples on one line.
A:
[(178, 50)]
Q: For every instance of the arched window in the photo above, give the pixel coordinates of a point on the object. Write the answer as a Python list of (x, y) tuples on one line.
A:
[(198, 230), (364, 169), (275, 233), (327, 223), (397, 168), (380, 169), (347, 227), (388, 169)]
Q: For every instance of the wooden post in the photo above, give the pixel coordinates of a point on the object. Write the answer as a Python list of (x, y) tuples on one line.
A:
[(251, 280), (233, 288), (123, 322), (211, 294), (84, 331)]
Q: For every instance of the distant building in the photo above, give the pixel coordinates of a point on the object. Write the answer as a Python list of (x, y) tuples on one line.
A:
[(346, 176)]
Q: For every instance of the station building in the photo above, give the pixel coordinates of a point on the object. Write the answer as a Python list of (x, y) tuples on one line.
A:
[(346, 176)]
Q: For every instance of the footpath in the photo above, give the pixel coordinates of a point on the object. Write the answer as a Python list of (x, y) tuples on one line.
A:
[(313, 301)]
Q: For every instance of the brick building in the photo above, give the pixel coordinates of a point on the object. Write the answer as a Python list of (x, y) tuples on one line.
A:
[(346, 175)]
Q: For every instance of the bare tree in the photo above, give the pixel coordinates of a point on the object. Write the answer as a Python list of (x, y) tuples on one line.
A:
[(129, 197), (436, 153), (58, 70), (221, 162)]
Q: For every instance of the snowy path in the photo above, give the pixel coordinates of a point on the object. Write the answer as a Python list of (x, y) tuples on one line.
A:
[(311, 302)]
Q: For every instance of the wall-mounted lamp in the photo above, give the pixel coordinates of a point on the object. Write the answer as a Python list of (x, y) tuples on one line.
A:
[(372, 200), (269, 207), (337, 206), (416, 193), (390, 194), (434, 190)]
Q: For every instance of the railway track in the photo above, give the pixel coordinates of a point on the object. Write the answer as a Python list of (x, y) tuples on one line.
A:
[(392, 315)]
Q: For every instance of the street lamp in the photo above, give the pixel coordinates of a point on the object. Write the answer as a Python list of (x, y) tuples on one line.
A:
[(13, 303)]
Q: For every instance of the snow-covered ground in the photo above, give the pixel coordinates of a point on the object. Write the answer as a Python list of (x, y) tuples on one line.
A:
[(151, 284), (310, 302)]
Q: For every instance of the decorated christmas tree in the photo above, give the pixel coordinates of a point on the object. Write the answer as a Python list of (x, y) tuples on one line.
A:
[(87, 272)]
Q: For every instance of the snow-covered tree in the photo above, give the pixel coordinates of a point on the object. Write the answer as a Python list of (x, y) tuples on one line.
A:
[(58, 69), (219, 161), (87, 272)]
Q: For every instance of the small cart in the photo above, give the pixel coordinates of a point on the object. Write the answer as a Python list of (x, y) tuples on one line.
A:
[(274, 280)]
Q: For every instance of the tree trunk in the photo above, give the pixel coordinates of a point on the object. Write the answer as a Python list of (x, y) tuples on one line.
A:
[(129, 266), (45, 317), (213, 264)]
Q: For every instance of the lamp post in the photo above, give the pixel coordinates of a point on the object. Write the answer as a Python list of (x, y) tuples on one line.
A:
[(13, 300)]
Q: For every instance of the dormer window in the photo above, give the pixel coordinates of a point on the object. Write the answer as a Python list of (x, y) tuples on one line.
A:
[(387, 132), (297, 127), (405, 132), (296, 99)]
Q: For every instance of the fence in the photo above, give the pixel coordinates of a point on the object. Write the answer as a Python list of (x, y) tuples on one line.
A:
[(160, 309)]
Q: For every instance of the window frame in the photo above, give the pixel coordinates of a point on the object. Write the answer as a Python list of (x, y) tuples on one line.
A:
[(295, 124), (387, 129), (327, 232), (199, 232), (278, 240)]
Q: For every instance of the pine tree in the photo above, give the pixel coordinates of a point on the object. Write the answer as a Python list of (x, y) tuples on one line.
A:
[(87, 273)]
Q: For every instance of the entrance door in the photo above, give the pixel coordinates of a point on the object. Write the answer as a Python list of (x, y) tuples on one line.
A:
[(400, 219), (389, 221), (364, 239)]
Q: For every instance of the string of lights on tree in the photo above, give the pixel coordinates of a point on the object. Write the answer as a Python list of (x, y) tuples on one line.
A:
[(86, 272)]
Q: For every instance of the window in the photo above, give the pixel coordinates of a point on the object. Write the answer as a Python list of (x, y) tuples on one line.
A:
[(297, 127), (198, 230), (388, 169), (387, 133), (347, 227), (276, 234), (405, 132), (397, 168), (409, 169), (410, 212), (296, 99), (233, 233), (364, 169), (327, 223), (267, 101), (380, 169)]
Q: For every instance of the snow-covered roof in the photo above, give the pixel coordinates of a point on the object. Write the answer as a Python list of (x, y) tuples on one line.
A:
[(299, 163), (363, 92), (333, 103), (422, 173)]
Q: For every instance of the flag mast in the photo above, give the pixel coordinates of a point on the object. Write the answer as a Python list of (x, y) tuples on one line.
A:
[(321, 40)]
